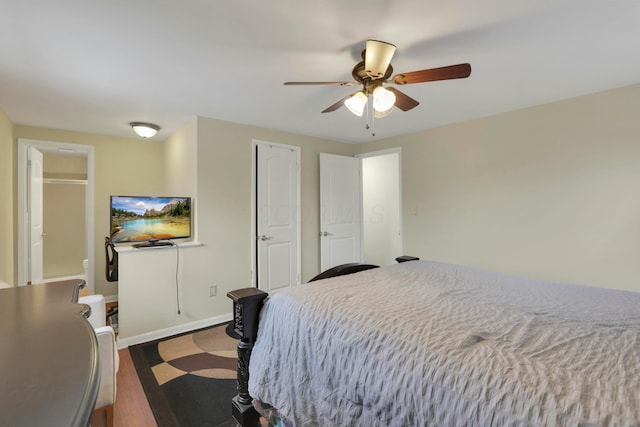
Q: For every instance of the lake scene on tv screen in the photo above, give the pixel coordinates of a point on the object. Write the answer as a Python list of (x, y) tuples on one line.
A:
[(139, 219)]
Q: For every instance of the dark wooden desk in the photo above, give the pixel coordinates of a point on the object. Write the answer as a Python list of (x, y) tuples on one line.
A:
[(49, 368)]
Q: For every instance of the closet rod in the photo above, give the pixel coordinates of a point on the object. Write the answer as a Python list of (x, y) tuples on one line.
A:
[(64, 181)]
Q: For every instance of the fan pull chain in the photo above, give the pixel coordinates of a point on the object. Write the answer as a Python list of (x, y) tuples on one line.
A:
[(373, 120), (373, 124), (367, 115)]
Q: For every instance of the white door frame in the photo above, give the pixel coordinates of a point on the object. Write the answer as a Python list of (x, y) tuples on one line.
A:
[(60, 148), (254, 213), (35, 198), (397, 150)]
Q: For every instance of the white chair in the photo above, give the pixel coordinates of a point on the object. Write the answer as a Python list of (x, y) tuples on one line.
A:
[(98, 316), (109, 364), (108, 354)]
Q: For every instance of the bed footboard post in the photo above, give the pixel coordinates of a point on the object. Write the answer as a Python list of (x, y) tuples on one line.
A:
[(244, 354), (247, 304)]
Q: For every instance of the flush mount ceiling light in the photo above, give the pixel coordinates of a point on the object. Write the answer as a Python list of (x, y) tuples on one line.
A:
[(144, 130)]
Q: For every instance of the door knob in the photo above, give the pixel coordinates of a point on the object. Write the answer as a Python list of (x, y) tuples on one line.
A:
[(263, 237), (325, 233)]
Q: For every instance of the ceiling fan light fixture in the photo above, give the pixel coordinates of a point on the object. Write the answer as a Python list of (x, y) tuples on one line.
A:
[(374, 71), (383, 99), (380, 114), (356, 103), (145, 130), (377, 58)]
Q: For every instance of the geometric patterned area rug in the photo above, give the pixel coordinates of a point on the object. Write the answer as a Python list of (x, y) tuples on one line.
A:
[(189, 379)]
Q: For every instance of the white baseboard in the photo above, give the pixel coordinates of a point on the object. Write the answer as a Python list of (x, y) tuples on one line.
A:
[(174, 330)]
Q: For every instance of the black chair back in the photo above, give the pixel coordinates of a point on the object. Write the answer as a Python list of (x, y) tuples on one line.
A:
[(111, 261)]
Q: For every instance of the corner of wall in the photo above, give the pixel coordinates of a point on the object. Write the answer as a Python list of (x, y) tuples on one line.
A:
[(8, 196), (180, 154)]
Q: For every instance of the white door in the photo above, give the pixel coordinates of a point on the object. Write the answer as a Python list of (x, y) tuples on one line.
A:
[(35, 200), (340, 213), (278, 216), (24, 195)]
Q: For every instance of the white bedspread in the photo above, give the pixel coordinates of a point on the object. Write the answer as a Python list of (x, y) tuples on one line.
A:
[(424, 343)]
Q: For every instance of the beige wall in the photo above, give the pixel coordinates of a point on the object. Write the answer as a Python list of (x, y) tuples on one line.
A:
[(548, 192), (57, 166), (125, 166), (180, 157), (7, 214), (223, 206), (545, 192), (63, 215), (64, 228)]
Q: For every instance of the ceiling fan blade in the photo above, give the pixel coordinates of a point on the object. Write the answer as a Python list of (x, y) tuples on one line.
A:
[(320, 83), (377, 58), (403, 101), (337, 105), (459, 71)]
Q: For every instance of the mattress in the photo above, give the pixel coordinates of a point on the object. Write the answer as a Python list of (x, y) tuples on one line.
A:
[(426, 343)]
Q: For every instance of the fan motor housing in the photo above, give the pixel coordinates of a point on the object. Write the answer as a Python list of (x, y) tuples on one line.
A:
[(361, 76)]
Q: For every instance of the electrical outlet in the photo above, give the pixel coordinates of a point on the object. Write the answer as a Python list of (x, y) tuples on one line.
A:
[(213, 291)]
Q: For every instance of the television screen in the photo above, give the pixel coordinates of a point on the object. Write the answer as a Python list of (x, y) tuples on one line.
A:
[(149, 219)]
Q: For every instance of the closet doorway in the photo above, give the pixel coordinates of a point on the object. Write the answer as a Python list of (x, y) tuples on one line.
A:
[(360, 208), (381, 206), (55, 203)]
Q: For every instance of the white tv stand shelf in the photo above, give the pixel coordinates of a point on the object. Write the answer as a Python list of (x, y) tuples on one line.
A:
[(151, 283), (129, 248)]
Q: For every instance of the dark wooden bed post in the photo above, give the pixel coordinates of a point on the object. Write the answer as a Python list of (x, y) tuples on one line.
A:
[(247, 304)]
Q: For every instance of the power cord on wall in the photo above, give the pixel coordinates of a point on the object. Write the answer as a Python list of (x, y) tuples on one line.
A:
[(177, 268)]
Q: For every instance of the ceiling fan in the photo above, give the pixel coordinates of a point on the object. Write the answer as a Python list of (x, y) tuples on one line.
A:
[(375, 70)]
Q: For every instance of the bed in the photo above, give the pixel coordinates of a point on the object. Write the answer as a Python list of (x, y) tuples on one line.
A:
[(427, 343)]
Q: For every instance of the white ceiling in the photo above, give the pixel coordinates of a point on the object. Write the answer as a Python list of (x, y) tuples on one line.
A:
[(94, 66)]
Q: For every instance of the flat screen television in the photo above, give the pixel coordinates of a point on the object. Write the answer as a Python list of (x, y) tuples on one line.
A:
[(149, 221)]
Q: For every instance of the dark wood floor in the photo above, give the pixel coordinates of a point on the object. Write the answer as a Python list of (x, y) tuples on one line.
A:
[(131, 408)]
